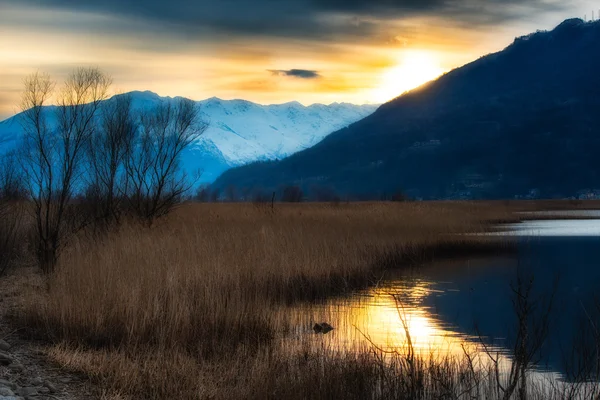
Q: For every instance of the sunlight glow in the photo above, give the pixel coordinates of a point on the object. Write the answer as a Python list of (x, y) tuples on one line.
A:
[(414, 69), (391, 319)]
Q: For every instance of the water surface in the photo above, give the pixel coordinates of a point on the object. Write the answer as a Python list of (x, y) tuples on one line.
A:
[(457, 306)]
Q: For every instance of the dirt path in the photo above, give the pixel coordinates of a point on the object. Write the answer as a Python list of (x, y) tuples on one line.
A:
[(25, 372)]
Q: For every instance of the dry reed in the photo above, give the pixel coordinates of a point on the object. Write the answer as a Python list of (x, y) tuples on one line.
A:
[(195, 294)]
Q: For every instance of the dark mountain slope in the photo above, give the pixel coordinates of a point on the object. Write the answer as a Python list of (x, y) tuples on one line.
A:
[(523, 119)]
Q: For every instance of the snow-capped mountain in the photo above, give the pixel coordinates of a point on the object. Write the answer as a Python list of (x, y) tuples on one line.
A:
[(239, 131)]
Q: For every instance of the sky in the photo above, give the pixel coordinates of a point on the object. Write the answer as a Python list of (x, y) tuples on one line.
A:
[(266, 51)]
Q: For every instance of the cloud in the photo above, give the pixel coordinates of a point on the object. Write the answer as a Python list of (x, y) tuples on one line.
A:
[(203, 48), (296, 73), (308, 19)]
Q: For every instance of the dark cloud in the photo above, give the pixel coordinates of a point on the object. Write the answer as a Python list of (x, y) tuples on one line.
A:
[(297, 18), (296, 73)]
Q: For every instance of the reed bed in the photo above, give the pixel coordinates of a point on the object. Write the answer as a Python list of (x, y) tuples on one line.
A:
[(325, 375), (185, 309)]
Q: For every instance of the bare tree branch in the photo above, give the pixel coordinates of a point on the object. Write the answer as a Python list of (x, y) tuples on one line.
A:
[(53, 158), (155, 180)]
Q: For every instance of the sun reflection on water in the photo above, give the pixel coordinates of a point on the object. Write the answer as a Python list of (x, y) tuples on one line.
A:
[(386, 317), (432, 315), (391, 318)]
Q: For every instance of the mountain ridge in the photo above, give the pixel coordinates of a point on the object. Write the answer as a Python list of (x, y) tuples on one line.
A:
[(484, 130), (239, 131)]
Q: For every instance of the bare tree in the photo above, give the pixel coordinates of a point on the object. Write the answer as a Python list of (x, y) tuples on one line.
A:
[(214, 195), (107, 152), (11, 215), (53, 158), (11, 237), (12, 186), (532, 328), (324, 193), (231, 194), (155, 181), (203, 194), (292, 194)]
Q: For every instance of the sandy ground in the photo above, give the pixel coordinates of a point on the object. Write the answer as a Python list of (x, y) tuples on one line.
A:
[(25, 371)]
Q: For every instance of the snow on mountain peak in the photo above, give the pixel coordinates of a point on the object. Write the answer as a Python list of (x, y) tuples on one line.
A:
[(240, 131)]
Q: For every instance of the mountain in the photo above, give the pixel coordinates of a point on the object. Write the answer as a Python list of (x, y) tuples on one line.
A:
[(523, 122), (239, 131)]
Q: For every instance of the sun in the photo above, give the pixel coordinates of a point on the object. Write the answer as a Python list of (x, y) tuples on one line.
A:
[(413, 69)]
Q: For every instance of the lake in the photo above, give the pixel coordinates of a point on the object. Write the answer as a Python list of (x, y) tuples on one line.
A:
[(467, 305)]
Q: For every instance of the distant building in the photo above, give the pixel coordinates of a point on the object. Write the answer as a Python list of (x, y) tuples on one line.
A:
[(426, 145), (589, 194)]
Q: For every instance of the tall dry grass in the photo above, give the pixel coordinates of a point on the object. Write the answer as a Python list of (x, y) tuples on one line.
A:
[(13, 234), (198, 291)]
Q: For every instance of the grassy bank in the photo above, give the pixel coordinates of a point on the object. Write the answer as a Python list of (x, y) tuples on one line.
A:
[(185, 309), (322, 376)]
